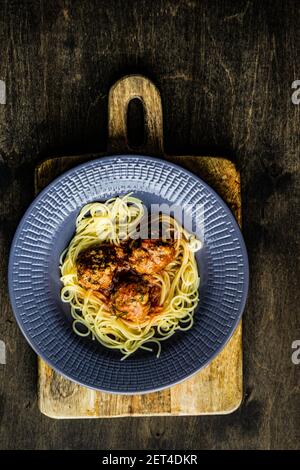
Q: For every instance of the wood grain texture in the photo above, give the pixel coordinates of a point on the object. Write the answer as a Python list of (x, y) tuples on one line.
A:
[(218, 388), (120, 94), (224, 70), (215, 390)]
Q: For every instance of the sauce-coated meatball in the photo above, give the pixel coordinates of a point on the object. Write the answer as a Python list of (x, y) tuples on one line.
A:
[(97, 265), (131, 299), (152, 256)]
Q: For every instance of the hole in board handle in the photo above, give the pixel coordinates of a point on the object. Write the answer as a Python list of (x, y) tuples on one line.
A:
[(135, 123)]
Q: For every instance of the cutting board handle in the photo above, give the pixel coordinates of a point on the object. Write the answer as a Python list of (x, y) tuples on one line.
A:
[(120, 95)]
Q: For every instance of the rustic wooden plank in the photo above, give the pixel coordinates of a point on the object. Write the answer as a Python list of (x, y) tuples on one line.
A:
[(224, 70), (120, 94), (216, 389)]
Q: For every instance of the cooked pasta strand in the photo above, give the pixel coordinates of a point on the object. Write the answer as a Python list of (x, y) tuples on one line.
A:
[(178, 282)]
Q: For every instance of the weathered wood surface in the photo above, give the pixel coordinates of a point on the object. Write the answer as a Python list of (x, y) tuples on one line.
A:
[(215, 390), (224, 70), (218, 388)]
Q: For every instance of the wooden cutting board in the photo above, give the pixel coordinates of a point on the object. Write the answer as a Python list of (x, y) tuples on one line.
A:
[(217, 389)]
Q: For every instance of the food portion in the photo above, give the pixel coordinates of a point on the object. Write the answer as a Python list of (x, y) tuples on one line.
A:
[(131, 299), (97, 266), (128, 293), (152, 255), (124, 274)]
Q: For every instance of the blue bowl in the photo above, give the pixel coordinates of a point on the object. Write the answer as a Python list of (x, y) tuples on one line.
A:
[(45, 231)]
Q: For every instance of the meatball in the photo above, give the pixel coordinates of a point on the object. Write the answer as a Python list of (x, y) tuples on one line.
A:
[(152, 256), (97, 265), (131, 299)]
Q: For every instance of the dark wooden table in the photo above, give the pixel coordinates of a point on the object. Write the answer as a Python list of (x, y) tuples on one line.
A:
[(225, 71)]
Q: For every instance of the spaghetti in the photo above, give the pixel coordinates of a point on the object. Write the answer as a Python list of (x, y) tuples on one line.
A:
[(110, 223)]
